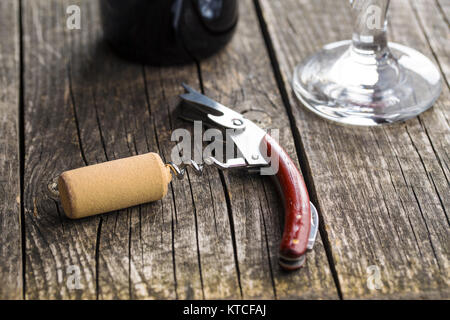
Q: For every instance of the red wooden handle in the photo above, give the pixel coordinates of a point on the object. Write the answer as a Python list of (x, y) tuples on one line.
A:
[(298, 212)]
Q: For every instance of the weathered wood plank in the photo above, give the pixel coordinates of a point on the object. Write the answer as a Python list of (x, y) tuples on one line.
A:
[(56, 248), (83, 105), (201, 235), (241, 78), (108, 109), (434, 21), (164, 254), (10, 229), (113, 122), (444, 6), (383, 192)]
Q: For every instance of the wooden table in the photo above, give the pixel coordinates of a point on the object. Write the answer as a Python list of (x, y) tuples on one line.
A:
[(66, 101)]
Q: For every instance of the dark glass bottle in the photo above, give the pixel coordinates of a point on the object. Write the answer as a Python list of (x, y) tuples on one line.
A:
[(165, 32)]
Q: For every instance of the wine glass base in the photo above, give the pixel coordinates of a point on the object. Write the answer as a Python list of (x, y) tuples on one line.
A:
[(343, 85)]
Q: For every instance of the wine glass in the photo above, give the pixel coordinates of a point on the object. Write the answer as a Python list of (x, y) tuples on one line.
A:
[(366, 80)]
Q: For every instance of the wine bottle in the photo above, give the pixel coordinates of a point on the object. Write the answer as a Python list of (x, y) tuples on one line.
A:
[(167, 32)]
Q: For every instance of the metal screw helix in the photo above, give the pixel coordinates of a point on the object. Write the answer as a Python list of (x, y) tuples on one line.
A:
[(180, 170)]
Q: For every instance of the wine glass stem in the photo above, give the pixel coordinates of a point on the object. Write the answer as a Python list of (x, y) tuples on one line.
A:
[(370, 25)]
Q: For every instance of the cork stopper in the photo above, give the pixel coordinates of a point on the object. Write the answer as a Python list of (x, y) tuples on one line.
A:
[(113, 185)]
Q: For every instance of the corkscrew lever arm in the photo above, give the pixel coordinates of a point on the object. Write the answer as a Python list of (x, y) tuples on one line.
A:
[(301, 218)]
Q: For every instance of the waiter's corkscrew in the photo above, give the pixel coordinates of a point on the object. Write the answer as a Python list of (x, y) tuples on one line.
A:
[(132, 181)]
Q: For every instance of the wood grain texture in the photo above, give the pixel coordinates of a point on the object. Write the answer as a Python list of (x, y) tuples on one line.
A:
[(433, 20), (383, 192), (10, 228), (94, 107), (444, 7), (90, 106), (240, 77), (56, 248)]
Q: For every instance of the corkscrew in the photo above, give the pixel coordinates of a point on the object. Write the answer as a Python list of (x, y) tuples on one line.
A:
[(301, 217), (144, 178), (179, 170)]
